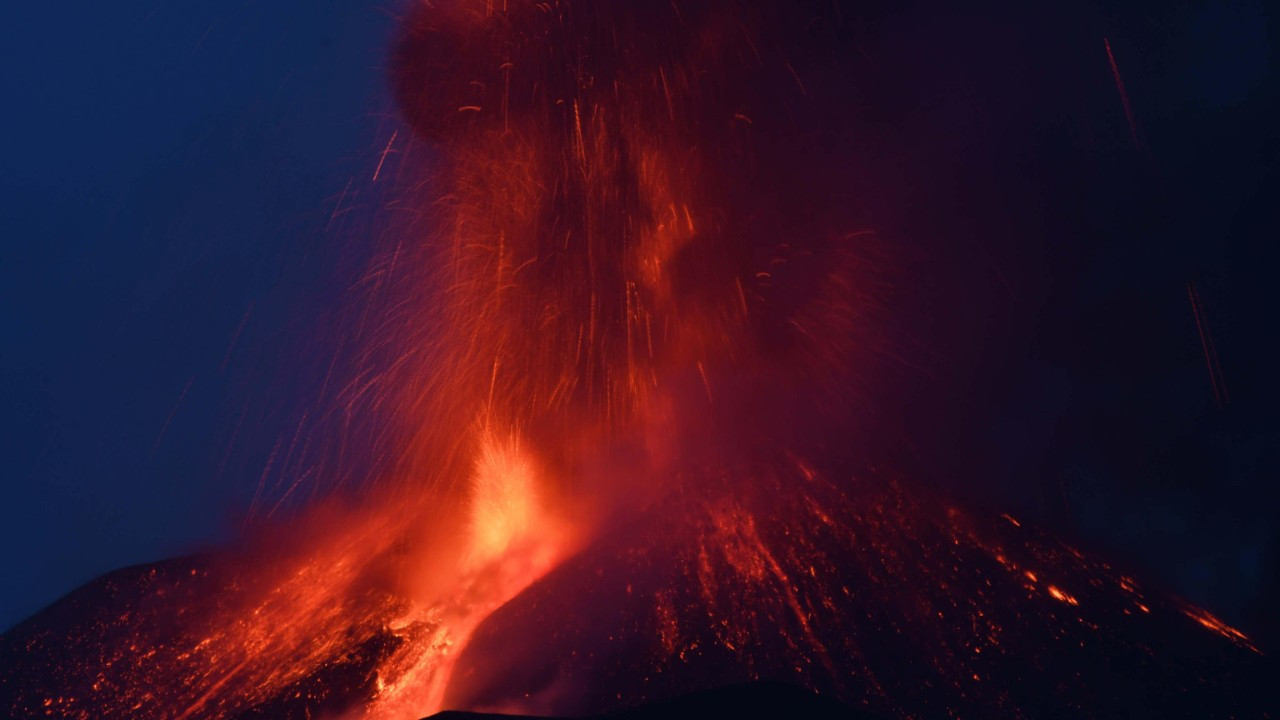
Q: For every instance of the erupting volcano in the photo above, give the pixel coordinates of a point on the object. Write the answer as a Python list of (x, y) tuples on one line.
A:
[(616, 367)]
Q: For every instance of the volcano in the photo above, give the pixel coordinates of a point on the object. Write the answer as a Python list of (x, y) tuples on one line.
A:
[(883, 599), (608, 410)]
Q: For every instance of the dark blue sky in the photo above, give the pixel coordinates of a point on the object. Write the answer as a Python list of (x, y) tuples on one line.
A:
[(168, 247), (169, 173)]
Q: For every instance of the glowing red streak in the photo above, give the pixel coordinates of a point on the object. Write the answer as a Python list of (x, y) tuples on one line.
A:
[(1124, 95)]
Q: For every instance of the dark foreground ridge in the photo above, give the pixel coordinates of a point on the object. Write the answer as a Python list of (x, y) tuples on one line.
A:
[(906, 608), (754, 700)]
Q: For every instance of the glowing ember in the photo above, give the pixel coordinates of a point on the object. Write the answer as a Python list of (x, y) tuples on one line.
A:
[(1208, 620), (1062, 597)]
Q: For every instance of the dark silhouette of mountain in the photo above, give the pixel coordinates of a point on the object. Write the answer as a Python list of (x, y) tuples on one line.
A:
[(904, 608), (879, 597), (753, 700)]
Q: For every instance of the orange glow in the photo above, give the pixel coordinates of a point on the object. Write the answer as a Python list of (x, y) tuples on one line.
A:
[(1062, 596), (1205, 618), (504, 502)]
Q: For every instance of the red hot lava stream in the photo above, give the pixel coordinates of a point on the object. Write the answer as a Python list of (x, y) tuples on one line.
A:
[(616, 359)]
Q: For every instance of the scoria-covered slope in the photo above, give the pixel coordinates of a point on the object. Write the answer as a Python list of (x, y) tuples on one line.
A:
[(872, 594)]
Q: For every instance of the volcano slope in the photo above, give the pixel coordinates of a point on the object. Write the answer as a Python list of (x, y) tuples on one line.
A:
[(868, 594)]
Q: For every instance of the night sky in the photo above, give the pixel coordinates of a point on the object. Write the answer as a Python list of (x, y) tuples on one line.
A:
[(183, 204), (170, 171)]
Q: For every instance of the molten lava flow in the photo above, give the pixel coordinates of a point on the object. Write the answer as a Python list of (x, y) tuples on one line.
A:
[(510, 543), (606, 391)]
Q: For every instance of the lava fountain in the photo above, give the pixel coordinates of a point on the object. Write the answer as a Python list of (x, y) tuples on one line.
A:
[(616, 364)]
